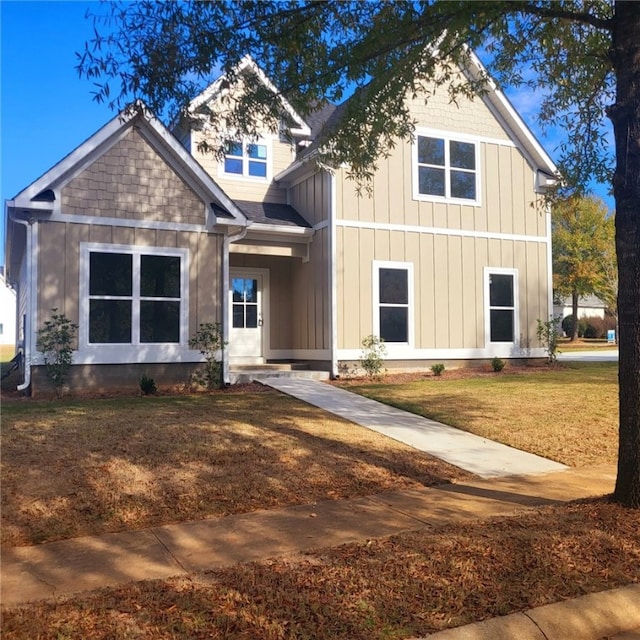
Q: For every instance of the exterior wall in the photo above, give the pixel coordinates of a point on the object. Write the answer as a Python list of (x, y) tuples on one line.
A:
[(59, 266), (131, 181), (311, 197), (448, 245)]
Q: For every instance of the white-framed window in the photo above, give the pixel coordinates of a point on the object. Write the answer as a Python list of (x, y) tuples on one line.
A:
[(132, 295), (501, 305), (247, 159), (446, 168), (393, 302)]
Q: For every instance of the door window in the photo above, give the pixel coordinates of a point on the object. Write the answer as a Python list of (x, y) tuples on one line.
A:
[(245, 303)]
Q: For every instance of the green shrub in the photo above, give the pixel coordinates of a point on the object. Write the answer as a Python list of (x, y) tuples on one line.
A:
[(547, 333), (147, 385), (497, 364), (55, 341), (208, 340), (568, 323), (372, 358), (437, 369)]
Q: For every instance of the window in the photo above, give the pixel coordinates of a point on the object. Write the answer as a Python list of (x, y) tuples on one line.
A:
[(502, 316), (393, 301), (245, 303), (445, 169), (246, 159), (135, 296)]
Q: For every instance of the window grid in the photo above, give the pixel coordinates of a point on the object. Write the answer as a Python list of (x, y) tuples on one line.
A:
[(247, 159)]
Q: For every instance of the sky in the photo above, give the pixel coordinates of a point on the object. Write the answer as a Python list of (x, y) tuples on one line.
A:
[(46, 110)]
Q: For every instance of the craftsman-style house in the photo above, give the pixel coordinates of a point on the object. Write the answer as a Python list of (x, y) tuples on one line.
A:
[(138, 238)]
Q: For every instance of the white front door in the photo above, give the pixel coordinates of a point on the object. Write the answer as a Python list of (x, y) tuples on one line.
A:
[(246, 299)]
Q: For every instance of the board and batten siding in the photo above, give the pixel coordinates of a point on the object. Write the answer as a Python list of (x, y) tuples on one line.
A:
[(59, 265), (449, 245), (448, 279)]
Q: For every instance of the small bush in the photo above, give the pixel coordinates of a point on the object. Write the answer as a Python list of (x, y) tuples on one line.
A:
[(437, 369), (547, 334), (568, 323), (55, 340), (373, 352), (148, 385), (497, 364), (208, 340)]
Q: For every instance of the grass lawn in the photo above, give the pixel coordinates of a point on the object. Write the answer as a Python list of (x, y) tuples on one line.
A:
[(568, 413), (72, 468), (129, 462)]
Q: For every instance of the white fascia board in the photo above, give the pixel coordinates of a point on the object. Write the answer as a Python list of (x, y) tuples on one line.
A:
[(248, 63), (499, 104), (298, 234)]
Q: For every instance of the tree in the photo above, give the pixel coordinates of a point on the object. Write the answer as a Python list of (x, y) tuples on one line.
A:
[(583, 55), (581, 241)]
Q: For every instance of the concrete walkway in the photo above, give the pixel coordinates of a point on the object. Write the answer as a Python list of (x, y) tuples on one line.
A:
[(473, 453)]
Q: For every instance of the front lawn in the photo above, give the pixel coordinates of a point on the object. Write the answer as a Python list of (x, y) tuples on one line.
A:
[(568, 413), (81, 467)]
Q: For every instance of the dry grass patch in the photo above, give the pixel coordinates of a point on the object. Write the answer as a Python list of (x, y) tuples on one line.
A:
[(568, 413), (406, 585), (73, 468)]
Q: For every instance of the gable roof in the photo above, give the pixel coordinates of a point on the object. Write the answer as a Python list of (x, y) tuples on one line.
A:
[(248, 64), (40, 195), (329, 118)]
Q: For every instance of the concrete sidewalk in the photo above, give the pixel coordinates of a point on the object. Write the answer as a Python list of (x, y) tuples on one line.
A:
[(71, 566), (473, 453), (80, 564)]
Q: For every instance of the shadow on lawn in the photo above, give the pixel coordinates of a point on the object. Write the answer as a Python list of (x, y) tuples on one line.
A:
[(106, 466)]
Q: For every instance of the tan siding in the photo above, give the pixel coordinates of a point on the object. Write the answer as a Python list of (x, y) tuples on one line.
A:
[(481, 261), (441, 275), (132, 181), (470, 311), (311, 198), (455, 309), (426, 282), (52, 292)]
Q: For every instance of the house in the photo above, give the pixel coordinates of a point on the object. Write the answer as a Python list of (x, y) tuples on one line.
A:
[(138, 238), (7, 317), (588, 307)]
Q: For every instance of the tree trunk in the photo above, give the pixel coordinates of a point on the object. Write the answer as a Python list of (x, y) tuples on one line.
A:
[(574, 313), (625, 115)]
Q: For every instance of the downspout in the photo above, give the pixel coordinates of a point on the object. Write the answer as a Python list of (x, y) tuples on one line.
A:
[(228, 239), (27, 346)]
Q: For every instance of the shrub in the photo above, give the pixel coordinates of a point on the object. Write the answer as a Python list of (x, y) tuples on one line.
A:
[(208, 340), (547, 333), (373, 352), (437, 369), (568, 323), (147, 385), (55, 341), (497, 364)]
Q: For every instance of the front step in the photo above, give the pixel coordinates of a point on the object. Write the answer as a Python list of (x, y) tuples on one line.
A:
[(244, 374)]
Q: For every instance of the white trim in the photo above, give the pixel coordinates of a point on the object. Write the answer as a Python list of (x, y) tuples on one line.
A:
[(447, 137), (376, 265), (129, 222), (465, 233), (125, 353), (487, 273), (248, 62), (332, 272), (549, 266), (492, 351), (325, 224)]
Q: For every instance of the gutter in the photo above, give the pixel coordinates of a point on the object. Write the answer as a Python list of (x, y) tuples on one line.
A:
[(27, 346), (228, 239)]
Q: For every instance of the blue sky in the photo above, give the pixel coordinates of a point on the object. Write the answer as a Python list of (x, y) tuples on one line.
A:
[(46, 110)]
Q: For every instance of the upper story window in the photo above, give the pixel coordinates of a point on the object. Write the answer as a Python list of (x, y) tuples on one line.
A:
[(446, 169), (248, 159)]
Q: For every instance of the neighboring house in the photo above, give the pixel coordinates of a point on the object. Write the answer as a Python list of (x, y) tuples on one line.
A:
[(7, 313), (138, 242), (588, 307)]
